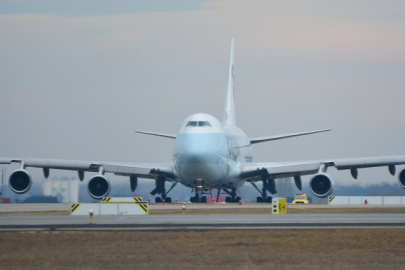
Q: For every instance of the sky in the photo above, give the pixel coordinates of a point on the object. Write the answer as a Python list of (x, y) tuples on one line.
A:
[(78, 78)]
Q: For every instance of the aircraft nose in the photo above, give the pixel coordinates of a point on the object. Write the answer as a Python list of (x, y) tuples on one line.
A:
[(198, 164), (193, 153), (201, 158)]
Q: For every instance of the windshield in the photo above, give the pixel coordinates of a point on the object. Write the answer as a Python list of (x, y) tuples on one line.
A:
[(198, 124)]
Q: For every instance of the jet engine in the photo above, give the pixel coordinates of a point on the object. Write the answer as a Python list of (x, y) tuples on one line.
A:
[(401, 178), (322, 185), (98, 187), (20, 181)]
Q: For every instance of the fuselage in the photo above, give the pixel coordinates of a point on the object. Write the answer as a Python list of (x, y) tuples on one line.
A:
[(207, 155)]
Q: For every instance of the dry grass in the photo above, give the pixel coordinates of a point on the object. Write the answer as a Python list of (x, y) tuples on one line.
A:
[(374, 248)]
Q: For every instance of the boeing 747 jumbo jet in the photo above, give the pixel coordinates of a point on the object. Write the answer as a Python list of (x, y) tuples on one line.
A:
[(209, 155)]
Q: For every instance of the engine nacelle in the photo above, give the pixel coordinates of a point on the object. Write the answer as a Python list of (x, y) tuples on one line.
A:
[(321, 185), (20, 181), (401, 178), (98, 187)]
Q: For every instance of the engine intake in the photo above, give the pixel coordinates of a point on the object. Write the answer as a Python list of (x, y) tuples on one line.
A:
[(20, 181), (98, 187), (401, 178), (321, 185)]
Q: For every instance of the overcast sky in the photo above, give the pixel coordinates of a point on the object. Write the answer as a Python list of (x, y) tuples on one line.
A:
[(78, 78)]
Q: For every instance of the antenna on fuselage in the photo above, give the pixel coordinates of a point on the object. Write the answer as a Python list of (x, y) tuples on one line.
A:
[(229, 113)]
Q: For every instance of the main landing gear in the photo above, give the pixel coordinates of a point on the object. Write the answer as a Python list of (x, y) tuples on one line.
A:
[(268, 185), (161, 190)]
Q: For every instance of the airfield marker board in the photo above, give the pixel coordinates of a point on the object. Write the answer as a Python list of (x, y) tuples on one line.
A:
[(279, 206), (123, 209)]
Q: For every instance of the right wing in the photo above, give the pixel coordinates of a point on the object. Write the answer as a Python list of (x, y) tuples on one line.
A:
[(171, 136), (99, 185), (143, 170)]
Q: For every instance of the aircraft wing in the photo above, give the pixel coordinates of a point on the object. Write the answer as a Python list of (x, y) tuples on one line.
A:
[(290, 169), (125, 169), (284, 136), (170, 136)]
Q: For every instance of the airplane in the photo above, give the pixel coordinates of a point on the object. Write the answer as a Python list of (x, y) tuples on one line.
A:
[(209, 155)]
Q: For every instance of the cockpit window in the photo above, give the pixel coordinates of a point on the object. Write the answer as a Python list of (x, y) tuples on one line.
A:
[(204, 124), (198, 124), (192, 124)]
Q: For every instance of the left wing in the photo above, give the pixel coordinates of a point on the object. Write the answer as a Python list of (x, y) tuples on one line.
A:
[(321, 184), (99, 186), (284, 136)]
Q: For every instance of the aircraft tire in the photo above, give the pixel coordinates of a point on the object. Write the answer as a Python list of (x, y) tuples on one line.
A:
[(259, 199), (158, 200)]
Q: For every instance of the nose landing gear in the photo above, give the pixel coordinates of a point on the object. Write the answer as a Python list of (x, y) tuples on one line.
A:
[(198, 197), (232, 198)]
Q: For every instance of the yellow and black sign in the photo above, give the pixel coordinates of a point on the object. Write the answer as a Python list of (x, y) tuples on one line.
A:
[(118, 208), (282, 206), (331, 198), (279, 206), (143, 206), (74, 207)]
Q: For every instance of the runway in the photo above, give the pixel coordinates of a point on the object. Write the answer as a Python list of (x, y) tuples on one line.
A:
[(173, 222), (46, 220)]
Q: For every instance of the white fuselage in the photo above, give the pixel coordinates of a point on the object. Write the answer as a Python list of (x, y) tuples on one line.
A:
[(207, 155)]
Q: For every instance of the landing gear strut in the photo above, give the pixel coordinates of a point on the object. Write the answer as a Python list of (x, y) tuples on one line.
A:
[(198, 197), (161, 190), (232, 198), (268, 185)]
